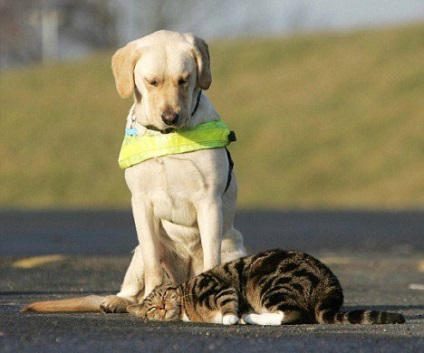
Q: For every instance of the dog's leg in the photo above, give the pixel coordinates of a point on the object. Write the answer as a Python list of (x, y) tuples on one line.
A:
[(148, 229), (232, 246), (209, 218), (131, 289), (134, 278)]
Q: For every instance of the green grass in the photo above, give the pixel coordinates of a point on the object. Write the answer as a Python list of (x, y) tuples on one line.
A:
[(329, 120)]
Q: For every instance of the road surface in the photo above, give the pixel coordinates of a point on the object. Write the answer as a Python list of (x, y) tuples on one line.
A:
[(378, 257)]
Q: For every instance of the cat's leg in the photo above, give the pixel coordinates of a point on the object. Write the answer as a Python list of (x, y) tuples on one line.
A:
[(230, 319), (265, 319), (296, 317), (227, 301), (280, 317)]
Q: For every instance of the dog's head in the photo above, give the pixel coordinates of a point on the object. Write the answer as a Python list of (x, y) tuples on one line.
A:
[(165, 71)]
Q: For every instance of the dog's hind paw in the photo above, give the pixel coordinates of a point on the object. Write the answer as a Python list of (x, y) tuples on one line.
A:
[(115, 304)]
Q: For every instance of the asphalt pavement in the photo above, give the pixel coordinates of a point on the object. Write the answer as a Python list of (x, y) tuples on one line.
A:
[(378, 257)]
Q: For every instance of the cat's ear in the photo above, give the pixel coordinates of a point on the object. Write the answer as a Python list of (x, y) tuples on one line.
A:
[(138, 310)]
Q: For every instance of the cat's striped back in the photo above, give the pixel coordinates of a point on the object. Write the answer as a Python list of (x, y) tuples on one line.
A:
[(295, 284)]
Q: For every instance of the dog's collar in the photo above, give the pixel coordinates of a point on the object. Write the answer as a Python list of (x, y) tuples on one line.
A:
[(137, 149)]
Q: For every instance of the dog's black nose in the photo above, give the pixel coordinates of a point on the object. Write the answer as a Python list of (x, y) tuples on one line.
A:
[(170, 118)]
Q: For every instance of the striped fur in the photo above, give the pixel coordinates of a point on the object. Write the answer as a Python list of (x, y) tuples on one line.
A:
[(295, 286)]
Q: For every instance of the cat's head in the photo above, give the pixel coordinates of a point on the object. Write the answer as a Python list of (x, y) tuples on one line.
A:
[(162, 304)]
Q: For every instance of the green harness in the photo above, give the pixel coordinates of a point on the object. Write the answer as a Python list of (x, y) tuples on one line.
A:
[(137, 149)]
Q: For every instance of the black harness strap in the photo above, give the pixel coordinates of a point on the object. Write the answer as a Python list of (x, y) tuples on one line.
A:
[(197, 103), (230, 170), (232, 138)]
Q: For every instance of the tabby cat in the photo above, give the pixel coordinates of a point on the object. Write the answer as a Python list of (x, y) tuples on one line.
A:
[(270, 288)]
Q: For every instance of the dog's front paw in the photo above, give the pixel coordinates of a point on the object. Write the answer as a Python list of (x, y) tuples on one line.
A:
[(115, 304), (230, 319)]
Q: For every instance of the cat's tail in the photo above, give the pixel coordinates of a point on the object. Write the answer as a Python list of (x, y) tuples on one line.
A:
[(89, 304), (361, 317)]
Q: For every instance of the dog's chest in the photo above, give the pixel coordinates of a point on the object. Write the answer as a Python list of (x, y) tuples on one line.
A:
[(173, 186), (175, 208)]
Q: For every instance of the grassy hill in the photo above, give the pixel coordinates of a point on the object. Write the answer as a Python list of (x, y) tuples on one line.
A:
[(329, 120)]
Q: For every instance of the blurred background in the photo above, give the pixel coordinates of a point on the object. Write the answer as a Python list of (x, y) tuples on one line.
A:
[(326, 98)]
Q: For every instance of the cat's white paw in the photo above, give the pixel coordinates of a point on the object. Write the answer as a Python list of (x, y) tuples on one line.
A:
[(266, 319), (230, 319)]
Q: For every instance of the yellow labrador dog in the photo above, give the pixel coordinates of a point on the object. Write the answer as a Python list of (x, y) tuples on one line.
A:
[(183, 204)]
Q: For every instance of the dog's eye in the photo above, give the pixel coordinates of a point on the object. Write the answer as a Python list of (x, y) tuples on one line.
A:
[(154, 83), (182, 81)]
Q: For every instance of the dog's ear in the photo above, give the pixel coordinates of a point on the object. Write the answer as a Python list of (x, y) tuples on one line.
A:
[(201, 55), (123, 63)]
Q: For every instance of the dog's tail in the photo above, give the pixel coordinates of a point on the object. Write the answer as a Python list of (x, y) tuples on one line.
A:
[(89, 304)]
